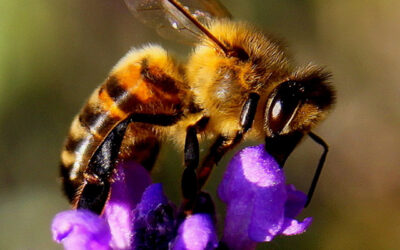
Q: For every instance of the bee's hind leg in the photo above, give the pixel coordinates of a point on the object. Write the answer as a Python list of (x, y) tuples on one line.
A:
[(95, 190)]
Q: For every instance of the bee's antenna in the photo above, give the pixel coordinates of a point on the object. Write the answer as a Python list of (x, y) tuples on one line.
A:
[(318, 171)]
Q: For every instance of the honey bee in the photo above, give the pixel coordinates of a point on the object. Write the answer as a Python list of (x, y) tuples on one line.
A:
[(237, 84)]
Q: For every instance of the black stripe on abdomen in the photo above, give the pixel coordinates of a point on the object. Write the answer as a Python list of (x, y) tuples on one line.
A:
[(96, 122), (125, 100)]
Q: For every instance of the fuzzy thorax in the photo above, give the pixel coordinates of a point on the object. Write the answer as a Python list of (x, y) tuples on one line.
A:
[(221, 83)]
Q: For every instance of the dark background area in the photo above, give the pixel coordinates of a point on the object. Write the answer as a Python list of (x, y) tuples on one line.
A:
[(54, 53)]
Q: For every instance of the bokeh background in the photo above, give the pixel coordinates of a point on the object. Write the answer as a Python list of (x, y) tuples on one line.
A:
[(54, 53)]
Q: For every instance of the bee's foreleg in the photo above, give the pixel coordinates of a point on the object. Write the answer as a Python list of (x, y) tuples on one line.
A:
[(249, 111), (222, 145)]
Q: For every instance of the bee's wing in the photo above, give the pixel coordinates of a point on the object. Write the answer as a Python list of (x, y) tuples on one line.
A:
[(183, 20)]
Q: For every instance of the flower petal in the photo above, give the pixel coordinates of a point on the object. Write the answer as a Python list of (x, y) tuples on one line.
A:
[(259, 204), (81, 229), (254, 190), (295, 201), (154, 225), (293, 206), (130, 181), (197, 232), (293, 227), (267, 214), (236, 226), (152, 197)]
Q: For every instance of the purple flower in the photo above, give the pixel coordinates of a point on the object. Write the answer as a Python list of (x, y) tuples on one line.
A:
[(155, 224), (129, 183), (81, 229), (197, 232), (260, 206), (131, 222)]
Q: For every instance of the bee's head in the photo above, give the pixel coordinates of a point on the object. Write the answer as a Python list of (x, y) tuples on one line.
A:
[(293, 108), (298, 104)]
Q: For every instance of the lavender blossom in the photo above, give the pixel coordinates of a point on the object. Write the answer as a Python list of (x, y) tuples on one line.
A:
[(155, 224), (129, 183), (126, 224), (70, 229), (260, 206), (80, 230), (197, 232)]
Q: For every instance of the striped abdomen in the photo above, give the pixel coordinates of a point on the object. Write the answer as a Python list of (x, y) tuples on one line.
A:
[(138, 85)]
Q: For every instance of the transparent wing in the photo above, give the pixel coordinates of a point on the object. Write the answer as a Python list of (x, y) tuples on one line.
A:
[(171, 22)]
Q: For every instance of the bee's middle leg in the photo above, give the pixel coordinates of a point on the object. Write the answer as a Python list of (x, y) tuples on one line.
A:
[(189, 177), (222, 144)]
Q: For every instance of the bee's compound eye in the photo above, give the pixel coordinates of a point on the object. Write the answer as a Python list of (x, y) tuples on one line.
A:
[(286, 99)]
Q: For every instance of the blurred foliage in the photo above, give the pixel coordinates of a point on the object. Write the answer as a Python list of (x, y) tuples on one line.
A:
[(54, 53)]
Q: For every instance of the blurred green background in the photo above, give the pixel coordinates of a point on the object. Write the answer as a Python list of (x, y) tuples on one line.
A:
[(54, 53)]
